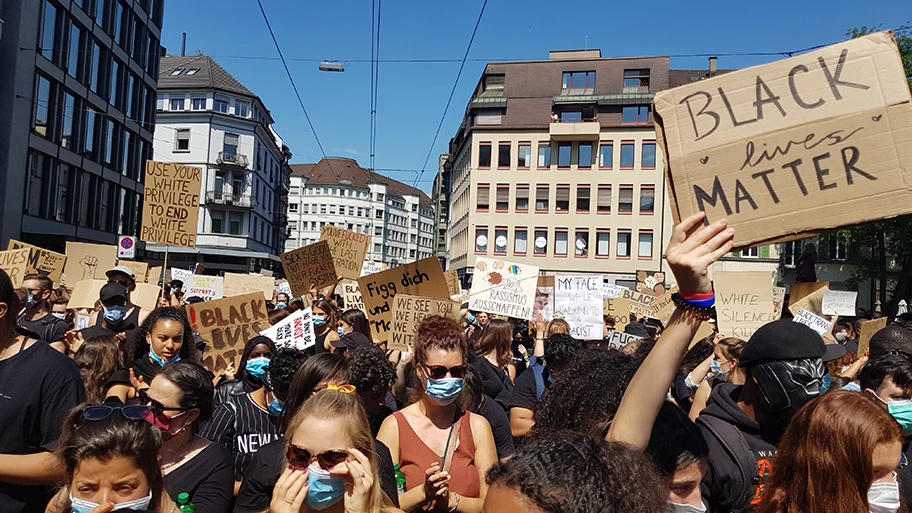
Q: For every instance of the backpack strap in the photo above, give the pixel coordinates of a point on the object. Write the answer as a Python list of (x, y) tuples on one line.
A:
[(738, 451)]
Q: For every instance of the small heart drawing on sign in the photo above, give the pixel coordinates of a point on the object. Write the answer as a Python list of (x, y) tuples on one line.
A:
[(877, 117), (704, 160)]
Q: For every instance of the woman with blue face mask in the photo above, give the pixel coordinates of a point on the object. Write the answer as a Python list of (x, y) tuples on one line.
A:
[(443, 451), (326, 321), (251, 370), (330, 464), (724, 367)]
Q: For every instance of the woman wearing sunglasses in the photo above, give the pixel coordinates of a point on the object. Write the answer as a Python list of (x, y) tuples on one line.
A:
[(330, 461), (179, 399), (443, 451)]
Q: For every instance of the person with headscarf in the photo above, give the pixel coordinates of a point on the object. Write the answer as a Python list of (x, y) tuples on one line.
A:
[(252, 366)]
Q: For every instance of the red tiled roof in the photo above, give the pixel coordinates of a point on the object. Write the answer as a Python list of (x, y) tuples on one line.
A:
[(333, 170)]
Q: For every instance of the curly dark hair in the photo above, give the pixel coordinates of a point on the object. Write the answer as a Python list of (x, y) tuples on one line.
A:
[(371, 372), (561, 349), (586, 395), (188, 350), (575, 473), (282, 367), (436, 332)]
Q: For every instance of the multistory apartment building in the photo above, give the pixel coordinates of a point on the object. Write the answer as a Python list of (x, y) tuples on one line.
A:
[(339, 192), (77, 112), (206, 118), (441, 198), (555, 165)]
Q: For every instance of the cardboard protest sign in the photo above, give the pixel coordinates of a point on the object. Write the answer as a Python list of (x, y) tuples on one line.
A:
[(794, 147), (155, 274), (226, 324), (619, 308), (544, 298), (145, 295), (579, 299), (309, 266), (82, 321), (637, 297), (88, 261), (800, 290), (744, 302), (503, 288), (619, 339), (421, 278), (452, 278), (409, 311), (41, 261), (351, 295), (85, 294), (206, 287), (171, 204), (295, 331), (140, 269), (348, 250), (663, 306), (868, 329), (283, 287), (705, 330), (15, 264), (778, 301), (650, 282), (813, 321), (370, 268), (236, 284), (813, 303), (839, 302)]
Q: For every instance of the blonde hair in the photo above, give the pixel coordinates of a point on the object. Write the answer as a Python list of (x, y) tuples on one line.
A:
[(557, 326), (347, 409)]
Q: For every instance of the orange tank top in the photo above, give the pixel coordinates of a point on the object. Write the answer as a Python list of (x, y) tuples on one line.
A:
[(415, 457)]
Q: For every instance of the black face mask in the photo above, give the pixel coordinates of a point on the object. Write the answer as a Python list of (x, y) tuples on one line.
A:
[(786, 386)]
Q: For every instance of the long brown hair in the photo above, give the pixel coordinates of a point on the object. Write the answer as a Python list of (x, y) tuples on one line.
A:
[(332, 313), (496, 337), (97, 359), (825, 460)]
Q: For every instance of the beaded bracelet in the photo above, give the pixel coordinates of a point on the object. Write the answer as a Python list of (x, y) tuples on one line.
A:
[(704, 311)]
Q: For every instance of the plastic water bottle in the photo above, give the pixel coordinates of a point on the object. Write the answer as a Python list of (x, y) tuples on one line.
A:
[(400, 479), (184, 504)]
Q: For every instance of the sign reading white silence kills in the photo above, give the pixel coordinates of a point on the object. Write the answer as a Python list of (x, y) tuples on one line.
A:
[(295, 331), (795, 147), (579, 298), (503, 288), (171, 204), (744, 302)]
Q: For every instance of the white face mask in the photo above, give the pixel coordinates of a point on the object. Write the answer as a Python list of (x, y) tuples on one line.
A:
[(884, 497), (60, 315), (81, 506), (687, 508)]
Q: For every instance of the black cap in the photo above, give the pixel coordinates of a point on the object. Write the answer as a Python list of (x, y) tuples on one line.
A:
[(637, 329), (352, 340), (834, 352), (782, 340), (113, 290)]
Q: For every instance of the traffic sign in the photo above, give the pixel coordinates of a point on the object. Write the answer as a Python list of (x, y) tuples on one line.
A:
[(126, 246)]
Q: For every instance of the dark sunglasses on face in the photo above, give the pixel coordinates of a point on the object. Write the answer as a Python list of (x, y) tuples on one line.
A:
[(103, 411), (440, 371), (157, 408), (299, 458)]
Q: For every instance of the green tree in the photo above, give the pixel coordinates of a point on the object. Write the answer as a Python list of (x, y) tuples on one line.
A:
[(882, 248)]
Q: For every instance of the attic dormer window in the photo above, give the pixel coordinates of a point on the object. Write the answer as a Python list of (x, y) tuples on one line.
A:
[(177, 71), (191, 71)]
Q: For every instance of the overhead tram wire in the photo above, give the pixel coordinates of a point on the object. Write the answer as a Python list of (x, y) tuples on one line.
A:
[(452, 92), (376, 6)]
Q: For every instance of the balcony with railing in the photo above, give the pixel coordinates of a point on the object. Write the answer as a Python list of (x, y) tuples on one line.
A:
[(230, 200), (234, 159)]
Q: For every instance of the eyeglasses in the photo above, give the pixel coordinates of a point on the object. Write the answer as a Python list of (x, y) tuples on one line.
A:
[(440, 371), (103, 411), (299, 458)]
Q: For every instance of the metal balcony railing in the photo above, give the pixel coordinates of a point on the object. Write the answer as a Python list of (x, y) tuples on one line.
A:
[(230, 200), (236, 159)]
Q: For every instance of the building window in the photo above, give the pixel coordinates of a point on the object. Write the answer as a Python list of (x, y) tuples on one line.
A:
[(66, 123), (91, 117), (494, 82), (582, 199), (647, 199), (522, 198), (182, 139), (378, 214), (560, 242), (503, 198), (220, 104), (484, 155), (42, 106), (751, 252), (623, 244), (503, 155), (520, 241), (636, 81), (114, 79), (198, 104), (481, 239), (500, 241), (541, 198), (585, 155), (125, 163), (645, 246), (571, 116), (649, 155), (625, 199), (177, 104), (578, 80), (602, 243), (563, 155), (525, 155), (835, 245), (541, 242), (606, 155), (110, 127), (483, 198), (49, 31), (231, 144), (544, 154), (603, 201), (562, 199), (241, 109), (581, 244), (96, 72), (627, 149), (130, 86), (635, 114), (234, 223), (75, 49)]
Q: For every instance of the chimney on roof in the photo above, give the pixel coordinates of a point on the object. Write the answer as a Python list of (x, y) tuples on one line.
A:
[(712, 66), (184, 45)]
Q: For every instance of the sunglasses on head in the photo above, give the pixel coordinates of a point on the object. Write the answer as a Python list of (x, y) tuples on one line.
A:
[(440, 371), (103, 411), (300, 458)]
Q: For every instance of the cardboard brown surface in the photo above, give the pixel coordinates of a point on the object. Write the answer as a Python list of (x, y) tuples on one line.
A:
[(868, 329), (619, 308), (15, 263), (778, 301), (452, 278), (421, 278), (41, 261), (663, 306), (409, 311), (351, 295), (171, 204), (145, 295), (236, 284), (88, 261), (140, 270), (155, 273), (798, 291), (744, 302), (795, 147), (226, 324), (705, 330), (348, 250), (309, 266), (812, 302), (85, 294)]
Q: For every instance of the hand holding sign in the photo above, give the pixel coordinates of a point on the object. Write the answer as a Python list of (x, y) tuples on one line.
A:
[(689, 255)]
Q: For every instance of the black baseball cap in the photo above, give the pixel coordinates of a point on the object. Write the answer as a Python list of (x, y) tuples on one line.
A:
[(352, 340), (782, 340), (113, 290)]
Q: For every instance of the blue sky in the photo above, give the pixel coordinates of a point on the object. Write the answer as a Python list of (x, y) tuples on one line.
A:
[(412, 96)]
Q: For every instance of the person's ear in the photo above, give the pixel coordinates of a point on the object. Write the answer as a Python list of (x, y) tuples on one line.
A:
[(192, 415), (4, 308)]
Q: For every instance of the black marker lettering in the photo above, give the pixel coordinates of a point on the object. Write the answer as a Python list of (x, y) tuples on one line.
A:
[(833, 79), (794, 167), (822, 171), (849, 165), (741, 194), (717, 195), (769, 186), (693, 117), (794, 89), (770, 98), (731, 112)]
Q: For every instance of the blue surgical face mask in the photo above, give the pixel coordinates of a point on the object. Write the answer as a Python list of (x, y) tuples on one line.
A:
[(825, 383), (257, 367), (444, 391), (281, 306), (81, 506), (716, 368), (161, 361), (318, 320), (340, 331), (324, 490), (276, 407), (114, 314)]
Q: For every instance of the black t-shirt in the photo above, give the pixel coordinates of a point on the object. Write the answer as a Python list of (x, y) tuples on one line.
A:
[(208, 478), (683, 395), (266, 467), (500, 426), (38, 388), (48, 328), (243, 428), (495, 382), (524, 395), (144, 367)]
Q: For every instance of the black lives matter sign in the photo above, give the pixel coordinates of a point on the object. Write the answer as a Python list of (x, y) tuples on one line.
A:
[(795, 147), (171, 204)]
